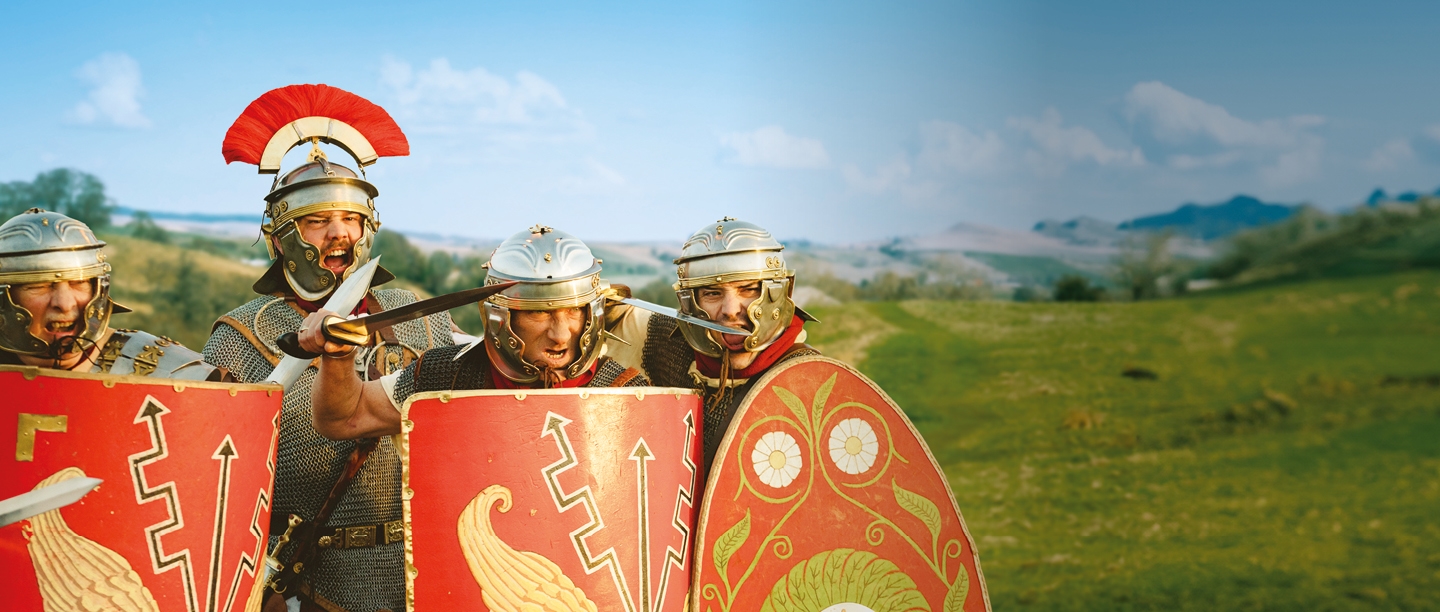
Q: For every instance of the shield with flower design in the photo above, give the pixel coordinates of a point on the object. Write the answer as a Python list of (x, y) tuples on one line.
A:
[(823, 497), (179, 520), (561, 499)]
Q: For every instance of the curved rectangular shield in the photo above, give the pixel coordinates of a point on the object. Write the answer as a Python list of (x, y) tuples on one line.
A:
[(564, 499), (178, 523), (823, 497)]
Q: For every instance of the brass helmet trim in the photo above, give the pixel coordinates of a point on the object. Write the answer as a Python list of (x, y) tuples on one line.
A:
[(554, 270), (38, 246), (727, 251), (315, 187)]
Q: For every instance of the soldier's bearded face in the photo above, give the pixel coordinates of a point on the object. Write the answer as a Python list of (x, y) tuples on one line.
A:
[(57, 311), (551, 337), (726, 304), (334, 232)]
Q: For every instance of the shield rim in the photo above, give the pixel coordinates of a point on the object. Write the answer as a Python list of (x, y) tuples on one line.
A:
[(110, 380), (402, 442), (723, 450)]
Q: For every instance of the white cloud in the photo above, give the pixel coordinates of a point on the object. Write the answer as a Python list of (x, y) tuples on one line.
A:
[(889, 176), (441, 98), (1057, 145), (772, 147), (1390, 155), (953, 146), (115, 92), (1191, 133)]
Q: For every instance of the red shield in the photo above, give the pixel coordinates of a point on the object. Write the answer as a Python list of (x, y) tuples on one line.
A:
[(179, 522), (573, 499), (822, 496)]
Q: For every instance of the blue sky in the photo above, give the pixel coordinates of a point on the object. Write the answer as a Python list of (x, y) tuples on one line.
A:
[(832, 121)]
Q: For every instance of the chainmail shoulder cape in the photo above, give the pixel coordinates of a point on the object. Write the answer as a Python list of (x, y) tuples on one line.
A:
[(441, 370), (670, 362), (354, 579)]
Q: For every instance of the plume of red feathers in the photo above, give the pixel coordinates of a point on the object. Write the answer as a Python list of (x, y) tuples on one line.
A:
[(247, 137)]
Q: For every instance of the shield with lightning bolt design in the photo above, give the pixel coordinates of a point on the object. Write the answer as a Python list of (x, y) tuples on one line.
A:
[(179, 522), (823, 497), (563, 499)]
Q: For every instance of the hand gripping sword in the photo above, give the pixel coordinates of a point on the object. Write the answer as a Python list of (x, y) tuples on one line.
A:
[(357, 331), (344, 299)]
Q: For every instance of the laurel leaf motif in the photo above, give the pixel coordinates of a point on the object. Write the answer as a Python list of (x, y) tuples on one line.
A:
[(793, 402), (922, 508), (822, 395), (845, 576), (731, 541), (955, 598)]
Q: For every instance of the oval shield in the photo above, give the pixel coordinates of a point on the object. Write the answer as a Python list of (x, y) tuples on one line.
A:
[(563, 499), (823, 497), (180, 521)]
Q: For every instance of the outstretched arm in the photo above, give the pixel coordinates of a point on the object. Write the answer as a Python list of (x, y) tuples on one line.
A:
[(343, 406)]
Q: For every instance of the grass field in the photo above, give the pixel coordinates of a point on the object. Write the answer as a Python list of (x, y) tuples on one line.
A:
[(1286, 454)]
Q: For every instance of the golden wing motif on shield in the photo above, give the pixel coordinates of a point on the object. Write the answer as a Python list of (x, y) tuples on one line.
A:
[(75, 572), (512, 580)]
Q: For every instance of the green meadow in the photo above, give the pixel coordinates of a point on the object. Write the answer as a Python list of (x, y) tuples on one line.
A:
[(1274, 448)]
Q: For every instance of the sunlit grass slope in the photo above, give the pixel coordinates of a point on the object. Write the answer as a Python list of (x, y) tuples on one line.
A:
[(1286, 454)]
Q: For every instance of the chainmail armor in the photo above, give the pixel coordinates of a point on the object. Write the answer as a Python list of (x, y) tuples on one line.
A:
[(668, 359), (307, 466)]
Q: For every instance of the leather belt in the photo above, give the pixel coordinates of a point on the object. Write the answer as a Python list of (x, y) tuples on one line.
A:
[(362, 536)]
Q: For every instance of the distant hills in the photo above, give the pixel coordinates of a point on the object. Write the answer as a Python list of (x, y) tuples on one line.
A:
[(1216, 220)]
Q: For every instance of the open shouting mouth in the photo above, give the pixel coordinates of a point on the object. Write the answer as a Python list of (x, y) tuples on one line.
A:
[(556, 357), (337, 260), (60, 329)]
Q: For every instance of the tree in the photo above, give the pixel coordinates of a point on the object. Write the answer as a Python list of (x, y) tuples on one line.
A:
[(1142, 262), (144, 228), (70, 192), (1076, 288)]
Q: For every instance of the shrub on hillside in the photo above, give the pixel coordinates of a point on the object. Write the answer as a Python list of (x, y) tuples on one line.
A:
[(1076, 288)]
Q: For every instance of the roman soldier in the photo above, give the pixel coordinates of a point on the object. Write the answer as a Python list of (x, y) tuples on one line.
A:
[(320, 226), (545, 331), (733, 273), (56, 306)]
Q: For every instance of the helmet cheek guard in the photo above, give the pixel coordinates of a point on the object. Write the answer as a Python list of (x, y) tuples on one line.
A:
[(303, 263), (45, 247), (507, 350), (731, 251), (554, 271)]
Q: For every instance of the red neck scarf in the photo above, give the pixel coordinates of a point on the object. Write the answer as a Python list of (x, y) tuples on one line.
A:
[(710, 366), (500, 382)]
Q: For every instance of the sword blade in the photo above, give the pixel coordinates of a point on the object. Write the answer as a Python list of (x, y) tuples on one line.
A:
[(44, 499), (368, 324), (344, 299), (675, 314)]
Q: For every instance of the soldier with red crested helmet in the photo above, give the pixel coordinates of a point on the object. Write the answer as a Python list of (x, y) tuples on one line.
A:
[(320, 227)]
